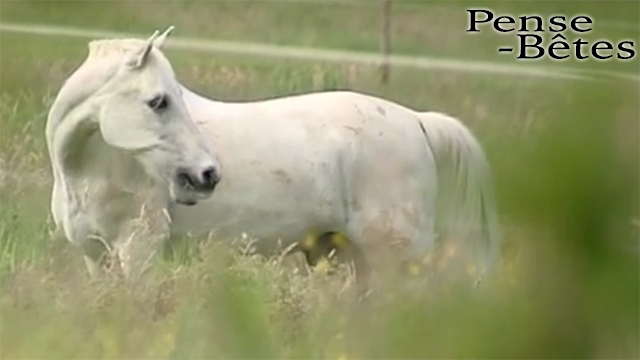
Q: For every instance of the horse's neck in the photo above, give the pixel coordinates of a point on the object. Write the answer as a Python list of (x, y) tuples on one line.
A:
[(199, 103), (194, 100), (69, 122), (92, 180), (93, 174)]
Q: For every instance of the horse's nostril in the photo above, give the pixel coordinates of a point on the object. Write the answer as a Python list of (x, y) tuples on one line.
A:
[(204, 180), (210, 178)]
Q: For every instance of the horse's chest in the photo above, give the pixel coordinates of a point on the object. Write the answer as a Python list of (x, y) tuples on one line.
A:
[(98, 211)]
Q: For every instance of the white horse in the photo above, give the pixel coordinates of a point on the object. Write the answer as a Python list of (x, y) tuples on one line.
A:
[(329, 162), (121, 142)]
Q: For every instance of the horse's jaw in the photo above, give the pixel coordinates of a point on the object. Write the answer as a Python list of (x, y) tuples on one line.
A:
[(186, 198)]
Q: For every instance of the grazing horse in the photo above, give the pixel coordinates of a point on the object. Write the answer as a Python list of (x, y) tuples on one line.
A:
[(331, 163)]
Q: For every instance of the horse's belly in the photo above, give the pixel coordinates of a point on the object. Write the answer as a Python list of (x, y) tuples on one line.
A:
[(268, 211)]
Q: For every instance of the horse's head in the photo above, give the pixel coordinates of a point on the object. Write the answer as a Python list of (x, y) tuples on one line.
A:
[(141, 111)]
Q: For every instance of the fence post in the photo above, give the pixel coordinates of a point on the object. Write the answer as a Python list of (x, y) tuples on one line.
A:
[(385, 41)]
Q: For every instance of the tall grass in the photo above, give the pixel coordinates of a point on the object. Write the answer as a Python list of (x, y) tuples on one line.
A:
[(566, 165)]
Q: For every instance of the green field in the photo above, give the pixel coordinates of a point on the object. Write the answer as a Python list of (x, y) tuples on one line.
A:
[(433, 28), (565, 158)]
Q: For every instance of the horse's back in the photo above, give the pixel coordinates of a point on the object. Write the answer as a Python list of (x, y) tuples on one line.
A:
[(322, 106)]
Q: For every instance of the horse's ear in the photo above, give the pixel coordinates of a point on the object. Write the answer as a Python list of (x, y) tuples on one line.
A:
[(139, 58), (160, 40)]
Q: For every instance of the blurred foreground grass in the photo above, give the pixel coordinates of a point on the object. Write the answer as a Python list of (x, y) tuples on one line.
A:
[(565, 158)]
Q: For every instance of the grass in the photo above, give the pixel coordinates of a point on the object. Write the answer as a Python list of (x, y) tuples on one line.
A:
[(565, 159), (433, 28)]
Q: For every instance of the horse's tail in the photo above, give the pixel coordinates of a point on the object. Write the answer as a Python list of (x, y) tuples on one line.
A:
[(466, 203)]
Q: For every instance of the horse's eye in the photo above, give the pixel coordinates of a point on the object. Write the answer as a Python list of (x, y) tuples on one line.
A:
[(158, 103)]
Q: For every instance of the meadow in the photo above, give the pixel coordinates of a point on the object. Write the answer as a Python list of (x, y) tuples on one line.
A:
[(434, 28), (564, 155)]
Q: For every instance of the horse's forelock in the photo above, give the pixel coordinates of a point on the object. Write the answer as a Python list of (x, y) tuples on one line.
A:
[(100, 65), (110, 47), (113, 50)]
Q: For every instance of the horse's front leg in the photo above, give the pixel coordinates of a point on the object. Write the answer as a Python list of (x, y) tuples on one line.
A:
[(140, 242), (99, 257)]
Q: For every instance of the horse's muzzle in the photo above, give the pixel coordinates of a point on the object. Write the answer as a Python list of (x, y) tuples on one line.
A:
[(202, 180)]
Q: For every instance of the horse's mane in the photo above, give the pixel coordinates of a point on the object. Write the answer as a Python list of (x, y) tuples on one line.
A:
[(110, 47), (96, 69)]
